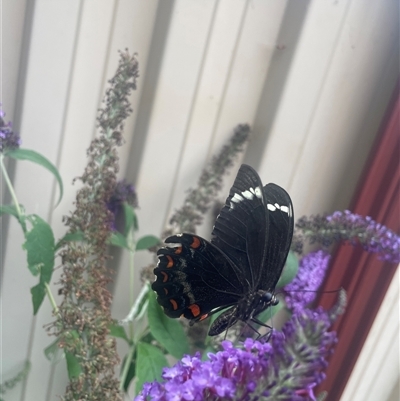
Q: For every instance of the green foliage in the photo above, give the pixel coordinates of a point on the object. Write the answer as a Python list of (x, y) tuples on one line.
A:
[(9, 209), (168, 332), (70, 237), (119, 332), (289, 271), (40, 247), (31, 155), (131, 370), (147, 242), (151, 360), (130, 217), (117, 239), (73, 367), (51, 352)]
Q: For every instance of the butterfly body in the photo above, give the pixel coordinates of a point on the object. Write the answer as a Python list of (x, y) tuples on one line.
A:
[(241, 265)]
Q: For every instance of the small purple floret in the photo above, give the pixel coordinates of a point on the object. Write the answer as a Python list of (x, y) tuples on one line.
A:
[(9, 140)]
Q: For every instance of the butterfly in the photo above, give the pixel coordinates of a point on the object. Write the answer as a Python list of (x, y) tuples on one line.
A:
[(239, 268)]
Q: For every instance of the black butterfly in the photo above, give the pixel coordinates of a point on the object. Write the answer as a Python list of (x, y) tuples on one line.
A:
[(241, 265)]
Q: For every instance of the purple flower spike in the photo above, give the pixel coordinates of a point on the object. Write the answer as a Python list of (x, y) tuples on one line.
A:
[(288, 367), (374, 237), (301, 291), (350, 227), (9, 140)]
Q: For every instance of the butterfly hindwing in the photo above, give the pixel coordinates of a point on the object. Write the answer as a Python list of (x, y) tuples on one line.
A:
[(193, 277)]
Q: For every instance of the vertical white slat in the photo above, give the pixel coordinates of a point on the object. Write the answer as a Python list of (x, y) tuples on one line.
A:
[(12, 28), (133, 28), (377, 368), (327, 96), (51, 45), (255, 48)]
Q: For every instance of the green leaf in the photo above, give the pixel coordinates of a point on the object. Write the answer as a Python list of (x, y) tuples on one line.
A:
[(130, 218), (149, 364), (31, 155), (139, 307), (38, 293), (118, 331), (117, 239), (40, 247), (12, 210), (52, 351), (70, 237), (289, 271), (147, 242), (168, 332), (73, 366), (9, 209)]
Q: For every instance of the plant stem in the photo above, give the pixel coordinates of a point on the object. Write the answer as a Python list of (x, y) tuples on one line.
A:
[(132, 244), (10, 187), (128, 361), (51, 298)]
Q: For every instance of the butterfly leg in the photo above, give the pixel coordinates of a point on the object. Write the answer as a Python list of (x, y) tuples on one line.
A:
[(259, 322)]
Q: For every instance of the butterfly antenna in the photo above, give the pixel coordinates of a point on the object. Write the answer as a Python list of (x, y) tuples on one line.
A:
[(315, 291)]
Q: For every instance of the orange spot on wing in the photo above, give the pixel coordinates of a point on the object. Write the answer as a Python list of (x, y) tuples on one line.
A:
[(196, 243), (195, 309), (170, 261), (178, 250), (166, 291), (165, 277), (203, 317), (174, 304)]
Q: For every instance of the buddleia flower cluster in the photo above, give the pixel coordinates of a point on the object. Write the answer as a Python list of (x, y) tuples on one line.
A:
[(349, 227), (301, 291), (84, 317), (9, 140), (287, 368), (123, 193)]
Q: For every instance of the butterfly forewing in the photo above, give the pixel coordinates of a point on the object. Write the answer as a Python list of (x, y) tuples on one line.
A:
[(241, 228), (281, 219)]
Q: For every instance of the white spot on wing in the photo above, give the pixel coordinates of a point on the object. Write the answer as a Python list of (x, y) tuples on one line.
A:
[(248, 195), (258, 192), (237, 198), (285, 209)]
